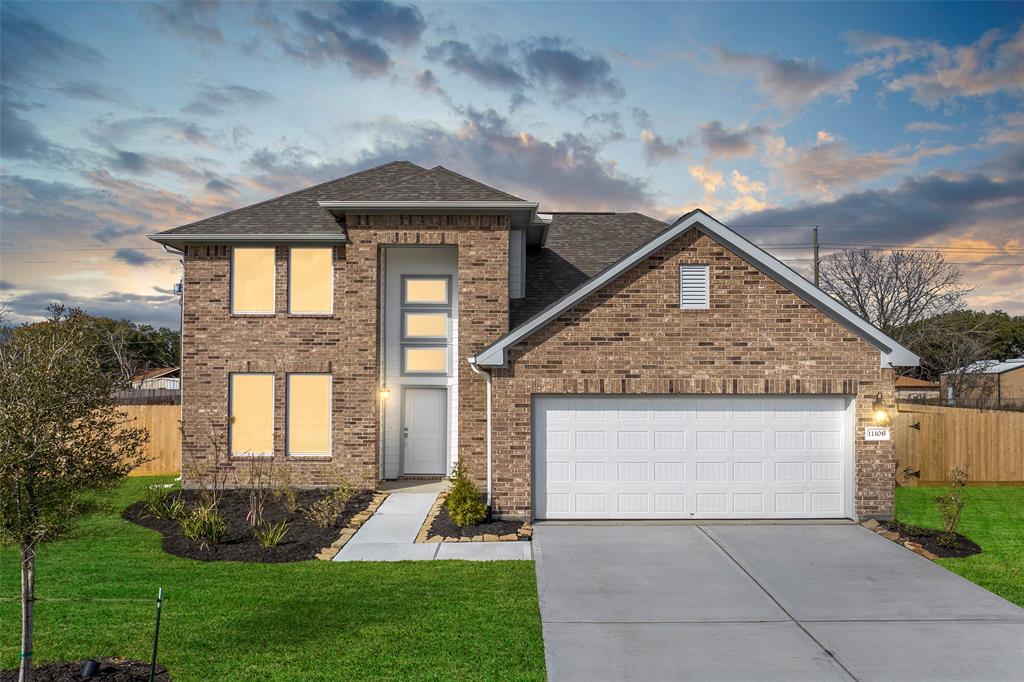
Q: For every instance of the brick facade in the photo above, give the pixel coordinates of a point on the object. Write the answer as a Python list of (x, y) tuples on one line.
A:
[(631, 337), (216, 343)]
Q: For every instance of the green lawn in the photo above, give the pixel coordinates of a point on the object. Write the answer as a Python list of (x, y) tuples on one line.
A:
[(300, 621), (992, 517)]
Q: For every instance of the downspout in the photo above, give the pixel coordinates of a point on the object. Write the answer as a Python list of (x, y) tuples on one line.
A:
[(181, 357), (487, 379)]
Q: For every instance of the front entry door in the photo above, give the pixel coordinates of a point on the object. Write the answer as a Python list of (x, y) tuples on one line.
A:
[(423, 431)]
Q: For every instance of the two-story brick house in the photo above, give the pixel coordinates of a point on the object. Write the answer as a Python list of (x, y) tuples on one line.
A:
[(400, 320)]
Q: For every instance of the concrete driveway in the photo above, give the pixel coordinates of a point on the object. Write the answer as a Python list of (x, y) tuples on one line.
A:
[(762, 602)]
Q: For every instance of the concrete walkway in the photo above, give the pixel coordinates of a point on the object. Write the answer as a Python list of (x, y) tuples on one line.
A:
[(762, 602), (390, 534)]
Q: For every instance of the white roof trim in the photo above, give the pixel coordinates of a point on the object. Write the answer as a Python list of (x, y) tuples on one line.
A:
[(165, 238), (892, 353)]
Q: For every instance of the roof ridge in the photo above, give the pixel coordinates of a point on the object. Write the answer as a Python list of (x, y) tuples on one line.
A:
[(476, 182), (293, 193), (398, 183)]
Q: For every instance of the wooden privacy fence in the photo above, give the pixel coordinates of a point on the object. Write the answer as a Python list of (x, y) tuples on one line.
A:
[(164, 446), (932, 439)]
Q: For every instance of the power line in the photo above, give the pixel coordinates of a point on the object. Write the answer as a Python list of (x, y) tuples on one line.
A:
[(968, 263), (909, 247)]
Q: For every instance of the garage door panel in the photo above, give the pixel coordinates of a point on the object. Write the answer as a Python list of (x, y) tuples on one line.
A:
[(690, 457)]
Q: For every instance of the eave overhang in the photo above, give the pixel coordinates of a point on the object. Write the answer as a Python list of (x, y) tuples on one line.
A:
[(522, 213), (178, 241)]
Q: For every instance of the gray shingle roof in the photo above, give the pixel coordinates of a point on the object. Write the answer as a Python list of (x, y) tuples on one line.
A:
[(298, 212), (436, 184), (578, 246)]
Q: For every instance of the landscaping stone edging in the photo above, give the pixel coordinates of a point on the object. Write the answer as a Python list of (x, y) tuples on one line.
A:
[(893, 536), (524, 533), (357, 521)]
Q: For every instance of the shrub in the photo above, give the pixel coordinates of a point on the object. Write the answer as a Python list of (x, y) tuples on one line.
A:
[(285, 492), (156, 501), (951, 503), (205, 525), (465, 502), (159, 504), (270, 534), (325, 511)]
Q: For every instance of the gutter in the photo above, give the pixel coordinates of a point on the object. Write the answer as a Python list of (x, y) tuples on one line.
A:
[(487, 378)]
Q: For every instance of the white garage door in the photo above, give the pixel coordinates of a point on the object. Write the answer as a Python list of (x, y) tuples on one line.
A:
[(636, 457)]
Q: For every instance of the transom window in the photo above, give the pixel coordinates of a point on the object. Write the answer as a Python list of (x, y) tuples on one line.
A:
[(426, 330)]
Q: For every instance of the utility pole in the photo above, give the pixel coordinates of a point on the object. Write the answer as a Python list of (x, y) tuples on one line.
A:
[(817, 258)]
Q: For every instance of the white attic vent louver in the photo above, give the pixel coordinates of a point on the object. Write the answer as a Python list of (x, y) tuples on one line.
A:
[(694, 287)]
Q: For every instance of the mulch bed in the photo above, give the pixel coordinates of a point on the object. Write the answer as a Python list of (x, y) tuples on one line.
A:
[(302, 542), (935, 541), (113, 669), (445, 527)]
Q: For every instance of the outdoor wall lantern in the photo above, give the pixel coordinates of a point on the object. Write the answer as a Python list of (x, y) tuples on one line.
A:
[(385, 392), (879, 411)]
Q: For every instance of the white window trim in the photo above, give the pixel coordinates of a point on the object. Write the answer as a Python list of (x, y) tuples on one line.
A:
[(694, 267), (320, 313), (405, 343), (287, 418), (231, 285), (231, 414), (425, 340)]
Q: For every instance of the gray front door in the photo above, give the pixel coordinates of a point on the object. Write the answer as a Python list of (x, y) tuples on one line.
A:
[(424, 436)]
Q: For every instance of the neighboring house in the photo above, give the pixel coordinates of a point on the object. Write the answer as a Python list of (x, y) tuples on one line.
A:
[(909, 388), (168, 378), (578, 365), (988, 383)]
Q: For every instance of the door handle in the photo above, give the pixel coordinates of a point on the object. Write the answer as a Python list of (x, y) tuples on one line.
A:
[(405, 432)]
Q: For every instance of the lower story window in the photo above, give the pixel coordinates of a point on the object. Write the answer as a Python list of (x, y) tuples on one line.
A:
[(309, 414), (251, 424)]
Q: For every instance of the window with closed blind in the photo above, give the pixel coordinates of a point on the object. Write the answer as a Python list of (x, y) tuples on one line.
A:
[(309, 414), (252, 280), (694, 287), (311, 280), (251, 423)]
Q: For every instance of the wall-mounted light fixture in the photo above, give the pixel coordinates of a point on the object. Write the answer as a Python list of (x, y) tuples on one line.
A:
[(385, 392), (879, 412)]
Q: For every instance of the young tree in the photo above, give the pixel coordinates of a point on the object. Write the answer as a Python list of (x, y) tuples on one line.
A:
[(61, 435), (896, 290)]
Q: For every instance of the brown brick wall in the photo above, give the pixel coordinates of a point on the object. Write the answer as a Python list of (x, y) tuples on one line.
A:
[(215, 343), (632, 337)]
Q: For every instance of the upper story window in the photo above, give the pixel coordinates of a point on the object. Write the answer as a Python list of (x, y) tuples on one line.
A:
[(311, 280), (694, 287), (252, 280), (426, 324), (426, 291)]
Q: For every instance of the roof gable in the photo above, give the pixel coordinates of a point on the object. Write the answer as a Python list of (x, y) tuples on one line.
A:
[(296, 213), (892, 353)]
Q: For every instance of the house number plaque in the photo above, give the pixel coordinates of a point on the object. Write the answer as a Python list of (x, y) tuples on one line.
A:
[(876, 433)]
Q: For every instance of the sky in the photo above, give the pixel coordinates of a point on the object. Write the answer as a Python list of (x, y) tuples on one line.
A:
[(885, 124)]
